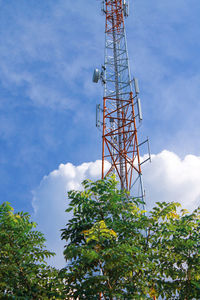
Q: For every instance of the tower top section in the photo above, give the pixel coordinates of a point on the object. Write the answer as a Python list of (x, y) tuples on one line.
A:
[(116, 8)]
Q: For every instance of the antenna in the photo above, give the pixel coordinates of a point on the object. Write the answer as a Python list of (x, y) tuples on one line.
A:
[(137, 91), (96, 75), (139, 109), (120, 136), (126, 8)]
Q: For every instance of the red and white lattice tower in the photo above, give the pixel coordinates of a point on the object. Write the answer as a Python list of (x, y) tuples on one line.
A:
[(121, 104)]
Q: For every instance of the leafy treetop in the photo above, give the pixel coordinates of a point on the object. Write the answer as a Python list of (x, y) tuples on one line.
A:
[(24, 273), (115, 250)]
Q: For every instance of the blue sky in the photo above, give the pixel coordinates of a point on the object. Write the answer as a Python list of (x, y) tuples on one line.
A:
[(48, 50), (47, 112)]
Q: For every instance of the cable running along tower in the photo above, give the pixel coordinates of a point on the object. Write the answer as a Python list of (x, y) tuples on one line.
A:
[(121, 111)]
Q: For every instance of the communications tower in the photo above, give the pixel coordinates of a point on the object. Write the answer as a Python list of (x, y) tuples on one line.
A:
[(120, 115)]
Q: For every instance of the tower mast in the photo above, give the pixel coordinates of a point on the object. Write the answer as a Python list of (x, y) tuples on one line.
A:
[(121, 104)]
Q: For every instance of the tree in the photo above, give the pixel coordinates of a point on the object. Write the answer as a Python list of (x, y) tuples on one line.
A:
[(23, 271), (115, 250), (174, 239), (105, 243)]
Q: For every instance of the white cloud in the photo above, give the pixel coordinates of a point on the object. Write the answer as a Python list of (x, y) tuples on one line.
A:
[(167, 178), (50, 201)]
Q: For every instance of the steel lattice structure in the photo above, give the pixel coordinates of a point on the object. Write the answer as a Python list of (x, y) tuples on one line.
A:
[(121, 105)]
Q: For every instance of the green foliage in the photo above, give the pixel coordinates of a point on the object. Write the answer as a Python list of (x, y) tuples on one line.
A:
[(104, 242), (23, 271), (113, 248), (175, 240)]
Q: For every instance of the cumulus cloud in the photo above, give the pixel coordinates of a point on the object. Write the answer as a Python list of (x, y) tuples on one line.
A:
[(50, 201), (170, 178), (167, 178)]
